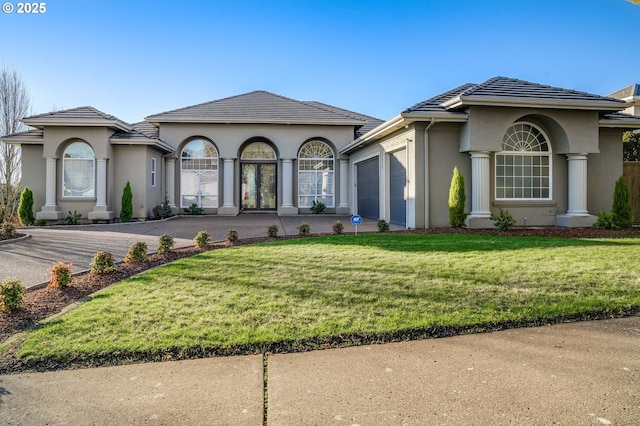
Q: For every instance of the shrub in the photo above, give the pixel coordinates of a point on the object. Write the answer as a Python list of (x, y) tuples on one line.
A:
[(25, 208), (621, 208), (60, 274), (383, 226), (126, 212), (165, 244), (272, 231), (137, 253), (202, 239), (12, 292), (40, 222), (103, 262), (503, 221), (232, 236), (457, 200), (338, 227), (193, 209), (304, 230), (318, 207), (162, 211), (8, 229), (73, 218), (605, 221)]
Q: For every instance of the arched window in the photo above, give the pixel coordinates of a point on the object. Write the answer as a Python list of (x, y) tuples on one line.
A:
[(523, 168), (199, 174), (316, 167), (78, 171), (258, 151)]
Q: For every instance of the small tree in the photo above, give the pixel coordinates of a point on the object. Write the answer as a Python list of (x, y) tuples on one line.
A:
[(621, 208), (25, 209), (457, 200), (126, 214)]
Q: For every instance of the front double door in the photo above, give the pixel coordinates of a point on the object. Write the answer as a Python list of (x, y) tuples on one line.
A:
[(258, 186)]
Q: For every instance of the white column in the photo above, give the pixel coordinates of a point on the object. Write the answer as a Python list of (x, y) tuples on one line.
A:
[(170, 179), (101, 183), (50, 196), (228, 182), (577, 165), (480, 216), (344, 185), (287, 207)]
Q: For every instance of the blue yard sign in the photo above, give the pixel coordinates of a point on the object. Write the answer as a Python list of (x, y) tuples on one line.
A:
[(355, 221)]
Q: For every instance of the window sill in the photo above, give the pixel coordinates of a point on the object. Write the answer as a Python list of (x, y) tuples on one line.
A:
[(524, 203)]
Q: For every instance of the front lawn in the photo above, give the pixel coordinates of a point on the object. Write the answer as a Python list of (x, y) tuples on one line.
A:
[(318, 292)]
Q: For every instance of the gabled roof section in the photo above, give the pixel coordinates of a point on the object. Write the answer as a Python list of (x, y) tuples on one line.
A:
[(628, 93), (141, 133), (32, 136), (504, 91), (370, 122), (255, 107), (81, 116), (433, 104)]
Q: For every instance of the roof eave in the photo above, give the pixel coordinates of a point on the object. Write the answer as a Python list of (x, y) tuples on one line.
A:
[(22, 140), (156, 121), (40, 124), (463, 101), (628, 124), (141, 141)]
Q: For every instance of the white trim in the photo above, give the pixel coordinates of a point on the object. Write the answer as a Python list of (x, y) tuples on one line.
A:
[(604, 105), (154, 176)]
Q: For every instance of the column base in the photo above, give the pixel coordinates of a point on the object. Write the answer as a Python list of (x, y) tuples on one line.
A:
[(575, 221), (101, 215), (287, 210), (479, 222), (228, 211), (50, 213), (343, 210)]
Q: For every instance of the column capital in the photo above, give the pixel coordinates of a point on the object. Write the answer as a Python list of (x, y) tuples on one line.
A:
[(480, 154), (577, 156)]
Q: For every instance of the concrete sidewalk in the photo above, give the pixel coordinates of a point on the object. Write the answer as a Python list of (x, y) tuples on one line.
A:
[(30, 259), (570, 374)]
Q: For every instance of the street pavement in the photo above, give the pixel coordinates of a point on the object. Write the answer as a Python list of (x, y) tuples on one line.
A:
[(584, 373)]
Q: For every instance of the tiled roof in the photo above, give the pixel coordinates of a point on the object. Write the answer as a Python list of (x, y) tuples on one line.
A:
[(433, 104), (139, 130), (32, 135), (85, 115), (255, 107), (620, 120), (370, 122), (512, 91), (627, 92)]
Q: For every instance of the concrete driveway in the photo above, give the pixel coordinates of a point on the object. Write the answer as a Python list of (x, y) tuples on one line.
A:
[(30, 259)]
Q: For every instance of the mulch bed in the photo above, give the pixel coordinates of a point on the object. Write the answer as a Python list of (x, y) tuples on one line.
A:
[(43, 302)]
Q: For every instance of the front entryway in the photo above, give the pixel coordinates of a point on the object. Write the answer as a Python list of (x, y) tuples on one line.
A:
[(258, 186), (398, 187), (368, 179)]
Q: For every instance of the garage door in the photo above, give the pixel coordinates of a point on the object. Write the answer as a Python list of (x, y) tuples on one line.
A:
[(368, 181), (398, 187)]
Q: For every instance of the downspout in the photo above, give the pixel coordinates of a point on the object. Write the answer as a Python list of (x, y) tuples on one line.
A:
[(426, 172)]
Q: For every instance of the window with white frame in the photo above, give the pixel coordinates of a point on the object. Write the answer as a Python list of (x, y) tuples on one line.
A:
[(523, 168), (199, 174), (78, 171), (316, 171), (153, 172)]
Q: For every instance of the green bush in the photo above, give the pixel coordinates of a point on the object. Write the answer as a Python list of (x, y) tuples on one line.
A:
[(383, 226), (103, 262), (621, 208), (165, 244), (193, 209), (25, 208), (318, 207), (457, 200), (605, 221), (73, 218), (232, 236), (8, 229), (40, 222), (12, 292), (202, 239), (137, 253), (338, 228), (126, 213), (272, 231), (304, 230), (60, 274), (162, 211), (504, 221)]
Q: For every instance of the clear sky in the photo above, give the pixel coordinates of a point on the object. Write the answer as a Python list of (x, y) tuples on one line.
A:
[(134, 58)]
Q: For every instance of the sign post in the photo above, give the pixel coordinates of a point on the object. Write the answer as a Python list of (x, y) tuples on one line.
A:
[(355, 221)]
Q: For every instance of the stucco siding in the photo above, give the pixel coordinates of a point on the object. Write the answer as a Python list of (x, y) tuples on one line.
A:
[(603, 170), (34, 173), (131, 164)]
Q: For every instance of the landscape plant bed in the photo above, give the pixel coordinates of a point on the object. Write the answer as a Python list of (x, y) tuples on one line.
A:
[(44, 302)]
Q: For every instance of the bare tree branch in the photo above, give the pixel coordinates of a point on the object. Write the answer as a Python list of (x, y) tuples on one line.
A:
[(14, 105)]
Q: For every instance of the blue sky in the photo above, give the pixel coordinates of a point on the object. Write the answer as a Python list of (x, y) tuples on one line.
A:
[(135, 58)]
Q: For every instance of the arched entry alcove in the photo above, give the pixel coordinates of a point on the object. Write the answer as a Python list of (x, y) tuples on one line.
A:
[(258, 176)]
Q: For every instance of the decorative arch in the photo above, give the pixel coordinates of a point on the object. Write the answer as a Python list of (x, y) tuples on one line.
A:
[(258, 149), (316, 174), (199, 174), (78, 170), (523, 167)]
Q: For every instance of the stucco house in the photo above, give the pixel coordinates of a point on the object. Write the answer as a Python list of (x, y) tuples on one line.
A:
[(548, 155)]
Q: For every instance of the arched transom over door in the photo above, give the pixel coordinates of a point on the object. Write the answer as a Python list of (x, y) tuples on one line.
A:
[(258, 177)]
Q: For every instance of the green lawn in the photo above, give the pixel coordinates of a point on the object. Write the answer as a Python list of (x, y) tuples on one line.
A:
[(312, 292)]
